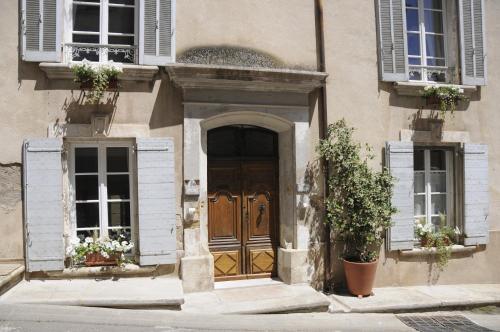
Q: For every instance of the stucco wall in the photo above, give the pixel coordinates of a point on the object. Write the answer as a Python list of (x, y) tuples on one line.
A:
[(30, 103), (355, 93)]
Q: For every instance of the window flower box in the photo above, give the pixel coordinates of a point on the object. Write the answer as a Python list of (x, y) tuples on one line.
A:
[(97, 259)]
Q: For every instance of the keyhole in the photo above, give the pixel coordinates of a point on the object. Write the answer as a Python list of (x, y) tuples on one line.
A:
[(262, 208)]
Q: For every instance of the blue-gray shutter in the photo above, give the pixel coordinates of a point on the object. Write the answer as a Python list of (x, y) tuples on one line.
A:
[(476, 197), (156, 201), (43, 204), (472, 40), (399, 160), (157, 32), (393, 60), (40, 30)]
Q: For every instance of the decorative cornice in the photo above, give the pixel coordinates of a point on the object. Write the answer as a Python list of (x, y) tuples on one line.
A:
[(193, 76)]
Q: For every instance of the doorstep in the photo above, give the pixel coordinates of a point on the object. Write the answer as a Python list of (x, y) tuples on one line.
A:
[(418, 298), (258, 296), (158, 293), (10, 275)]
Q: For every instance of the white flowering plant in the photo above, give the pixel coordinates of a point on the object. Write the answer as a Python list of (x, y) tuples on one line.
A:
[(447, 97), (107, 248), (97, 75), (441, 239)]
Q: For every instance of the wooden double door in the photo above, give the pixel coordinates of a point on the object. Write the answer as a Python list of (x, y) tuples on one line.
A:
[(243, 217)]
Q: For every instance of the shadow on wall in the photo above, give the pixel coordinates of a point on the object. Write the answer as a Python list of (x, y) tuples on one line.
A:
[(166, 112)]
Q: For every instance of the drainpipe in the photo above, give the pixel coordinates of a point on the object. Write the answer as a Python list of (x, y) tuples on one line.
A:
[(323, 118)]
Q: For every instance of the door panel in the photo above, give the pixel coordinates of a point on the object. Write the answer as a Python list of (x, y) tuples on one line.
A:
[(242, 217)]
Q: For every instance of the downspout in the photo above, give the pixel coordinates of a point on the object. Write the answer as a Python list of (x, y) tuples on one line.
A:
[(323, 126)]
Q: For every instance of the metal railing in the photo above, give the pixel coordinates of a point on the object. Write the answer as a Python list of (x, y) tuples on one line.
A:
[(74, 52), (436, 74)]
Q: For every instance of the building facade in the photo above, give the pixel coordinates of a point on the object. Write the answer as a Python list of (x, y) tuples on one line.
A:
[(204, 155)]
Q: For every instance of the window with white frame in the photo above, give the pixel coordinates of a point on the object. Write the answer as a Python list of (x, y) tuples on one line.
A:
[(433, 186), (425, 28), (104, 30), (102, 189)]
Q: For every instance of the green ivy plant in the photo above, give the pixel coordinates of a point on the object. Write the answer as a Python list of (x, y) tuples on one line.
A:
[(447, 97), (97, 77), (358, 206)]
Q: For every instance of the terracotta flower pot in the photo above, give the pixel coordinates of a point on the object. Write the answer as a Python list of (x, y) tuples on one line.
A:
[(96, 259), (360, 277)]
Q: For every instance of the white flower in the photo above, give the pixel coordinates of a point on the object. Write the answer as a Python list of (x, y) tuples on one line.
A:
[(105, 254), (89, 240), (457, 231)]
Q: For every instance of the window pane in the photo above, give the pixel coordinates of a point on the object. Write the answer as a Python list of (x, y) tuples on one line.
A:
[(89, 233), (435, 76), (434, 45), (121, 20), (419, 182), (87, 187), (86, 160), (413, 44), (114, 234), (419, 205), (118, 187), (414, 61), (412, 20), (117, 159), (438, 182), (438, 222), (411, 3), (438, 160), (118, 214), (438, 203), (121, 40), (259, 143), (418, 160), (433, 4), (123, 55), (436, 62), (122, 2), (87, 215), (433, 21), (415, 74), (86, 18), (223, 142), (88, 39)]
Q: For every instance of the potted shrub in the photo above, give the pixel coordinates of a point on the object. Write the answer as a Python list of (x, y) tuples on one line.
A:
[(97, 252), (96, 78), (358, 206)]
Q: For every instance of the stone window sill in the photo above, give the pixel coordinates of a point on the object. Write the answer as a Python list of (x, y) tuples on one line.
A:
[(416, 89), (432, 251), (62, 71)]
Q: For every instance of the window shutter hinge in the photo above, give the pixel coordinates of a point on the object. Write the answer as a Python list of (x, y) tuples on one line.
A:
[(157, 25), (39, 18)]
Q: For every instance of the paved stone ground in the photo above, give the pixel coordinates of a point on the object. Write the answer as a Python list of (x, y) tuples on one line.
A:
[(251, 297), (419, 298), (125, 292)]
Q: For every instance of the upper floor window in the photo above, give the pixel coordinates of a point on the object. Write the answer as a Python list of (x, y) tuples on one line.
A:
[(418, 42), (425, 30), (128, 31), (108, 23)]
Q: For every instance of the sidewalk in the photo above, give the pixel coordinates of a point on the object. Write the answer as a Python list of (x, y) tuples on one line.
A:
[(258, 296), (10, 275), (165, 293), (418, 298)]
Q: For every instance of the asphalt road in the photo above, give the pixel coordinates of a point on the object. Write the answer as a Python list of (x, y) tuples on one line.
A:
[(59, 318)]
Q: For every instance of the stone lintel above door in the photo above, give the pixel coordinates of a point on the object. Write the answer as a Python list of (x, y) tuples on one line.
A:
[(244, 78)]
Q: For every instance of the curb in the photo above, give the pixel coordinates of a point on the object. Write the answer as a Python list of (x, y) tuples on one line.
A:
[(11, 279)]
